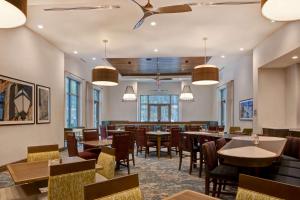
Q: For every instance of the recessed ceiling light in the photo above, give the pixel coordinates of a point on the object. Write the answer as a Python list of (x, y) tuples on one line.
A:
[(93, 58), (155, 50), (273, 21), (153, 23), (75, 52), (223, 56), (241, 49), (40, 26), (295, 57)]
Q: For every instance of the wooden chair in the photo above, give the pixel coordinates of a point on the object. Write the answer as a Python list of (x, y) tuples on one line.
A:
[(217, 174), (292, 149), (132, 136), (121, 144), (234, 130), (42, 153), (67, 181), (220, 143), (73, 150), (103, 132), (107, 160), (221, 128), (257, 188), (142, 142), (90, 135), (175, 137), (126, 187), (193, 128)]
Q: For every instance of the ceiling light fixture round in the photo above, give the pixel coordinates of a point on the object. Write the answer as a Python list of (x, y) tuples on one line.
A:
[(186, 94), (295, 57), (129, 94), (105, 75), (12, 13), (153, 23), (205, 74), (281, 10)]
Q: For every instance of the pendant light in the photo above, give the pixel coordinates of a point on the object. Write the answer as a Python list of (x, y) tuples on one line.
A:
[(12, 13), (281, 10), (129, 94), (186, 94), (205, 74), (105, 75)]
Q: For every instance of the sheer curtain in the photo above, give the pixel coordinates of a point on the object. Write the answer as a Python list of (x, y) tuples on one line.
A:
[(89, 111), (229, 105)]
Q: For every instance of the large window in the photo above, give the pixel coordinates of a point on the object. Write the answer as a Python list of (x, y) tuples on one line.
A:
[(159, 108), (223, 95), (72, 102), (96, 108)]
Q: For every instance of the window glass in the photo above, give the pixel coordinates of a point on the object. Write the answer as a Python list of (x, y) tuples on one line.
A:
[(72, 105), (96, 107)]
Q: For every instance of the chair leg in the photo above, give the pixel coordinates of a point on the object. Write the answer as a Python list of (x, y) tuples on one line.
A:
[(128, 166), (170, 152), (137, 150), (191, 163), (224, 186), (219, 188), (207, 185), (180, 160), (201, 164), (176, 149), (133, 160), (214, 187)]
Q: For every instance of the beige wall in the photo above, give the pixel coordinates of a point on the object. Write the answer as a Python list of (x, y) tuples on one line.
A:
[(25, 55)]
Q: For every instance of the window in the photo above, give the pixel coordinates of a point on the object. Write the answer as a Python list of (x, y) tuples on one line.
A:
[(159, 108), (96, 108), (2, 106), (72, 102), (223, 94)]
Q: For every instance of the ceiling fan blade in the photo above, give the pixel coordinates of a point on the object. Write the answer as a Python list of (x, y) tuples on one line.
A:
[(232, 3), (139, 5), (83, 8), (141, 21), (174, 9)]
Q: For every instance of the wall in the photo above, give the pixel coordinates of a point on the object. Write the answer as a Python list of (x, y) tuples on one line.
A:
[(25, 55)]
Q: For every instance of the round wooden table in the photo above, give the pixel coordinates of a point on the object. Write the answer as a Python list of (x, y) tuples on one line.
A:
[(242, 152)]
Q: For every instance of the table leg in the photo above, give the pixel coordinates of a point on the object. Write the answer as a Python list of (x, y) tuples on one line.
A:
[(158, 146)]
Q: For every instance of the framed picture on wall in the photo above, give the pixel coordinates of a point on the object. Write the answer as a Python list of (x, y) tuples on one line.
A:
[(16, 101), (246, 110), (43, 104)]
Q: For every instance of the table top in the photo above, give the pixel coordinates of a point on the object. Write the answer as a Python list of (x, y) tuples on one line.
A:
[(242, 151), (190, 195), (97, 143), (117, 131), (158, 133), (29, 172), (212, 134)]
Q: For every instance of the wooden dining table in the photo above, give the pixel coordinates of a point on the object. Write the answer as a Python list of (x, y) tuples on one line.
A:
[(190, 195), (158, 135)]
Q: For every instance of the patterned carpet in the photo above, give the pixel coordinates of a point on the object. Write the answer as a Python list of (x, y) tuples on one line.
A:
[(158, 178)]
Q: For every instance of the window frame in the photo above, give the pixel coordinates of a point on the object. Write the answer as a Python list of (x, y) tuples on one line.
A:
[(98, 102)]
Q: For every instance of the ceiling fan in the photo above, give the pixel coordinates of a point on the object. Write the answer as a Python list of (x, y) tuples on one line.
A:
[(149, 11), (158, 79)]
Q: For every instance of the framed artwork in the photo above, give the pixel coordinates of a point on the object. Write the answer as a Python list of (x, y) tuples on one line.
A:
[(43, 104), (246, 110), (16, 101)]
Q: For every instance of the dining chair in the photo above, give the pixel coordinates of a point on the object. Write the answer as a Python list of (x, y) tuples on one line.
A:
[(42, 153), (121, 144), (292, 149), (216, 173), (67, 181), (143, 142), (257, 188), (247, 131), (73, 149), (90, 135), (193, 128), (107, 161), (220, 143), (125, 188), (234, 129), (175, 137), (103, 132)]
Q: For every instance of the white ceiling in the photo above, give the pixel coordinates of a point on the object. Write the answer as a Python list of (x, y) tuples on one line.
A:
[(227, 27)]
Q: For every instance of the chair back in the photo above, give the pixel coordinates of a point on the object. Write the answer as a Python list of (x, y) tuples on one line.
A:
[(213, 128), (67, 181), (276, 132), (220, 143), (111, 127), (103, 132), (186, 142), (175, 136), (258, 188), (131, 141), (292, 147), (193, 128), (72, 145), (140, 136), (90, 134), (126, 187), (210, 155), (247, 131), (221, 128), (42, 153), (234, 129), (107, 160), (121, 144)]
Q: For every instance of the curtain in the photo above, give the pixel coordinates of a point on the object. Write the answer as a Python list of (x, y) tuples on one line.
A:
[(89, 110), (229, 105)]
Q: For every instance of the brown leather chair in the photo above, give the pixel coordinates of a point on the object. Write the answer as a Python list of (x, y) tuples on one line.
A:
[(142, 142), (121, 144), (73, 150), (132, 144), (175, 136), (219, 175), (220, 143), (292, 149), (90, 135)]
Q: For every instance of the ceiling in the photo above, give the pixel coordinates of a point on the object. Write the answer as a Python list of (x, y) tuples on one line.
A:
[(151, 66), (228, 28)]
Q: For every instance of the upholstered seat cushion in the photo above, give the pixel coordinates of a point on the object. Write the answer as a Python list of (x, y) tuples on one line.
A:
[(132, 194), (244, 194), (285, 157), (286, 179), (87, 155), (225, 171), (290, 163), (289, 171)]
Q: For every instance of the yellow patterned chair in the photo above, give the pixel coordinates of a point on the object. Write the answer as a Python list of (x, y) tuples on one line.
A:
[(253, 188), (107, 162), (123, 188), (67, 181), (234, 130), (42, 153)]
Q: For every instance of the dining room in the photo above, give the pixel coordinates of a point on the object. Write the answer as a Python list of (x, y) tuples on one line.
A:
[(149, 100)]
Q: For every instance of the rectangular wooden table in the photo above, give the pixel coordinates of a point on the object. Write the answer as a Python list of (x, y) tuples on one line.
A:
[(159, 135), (190, 195), (29, 172), (97, 143)]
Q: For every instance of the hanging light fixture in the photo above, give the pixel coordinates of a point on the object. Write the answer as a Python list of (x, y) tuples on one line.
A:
[(105, 75), (129, 94), (281, 10), (186, 94), (205, 74), (12, 13)]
